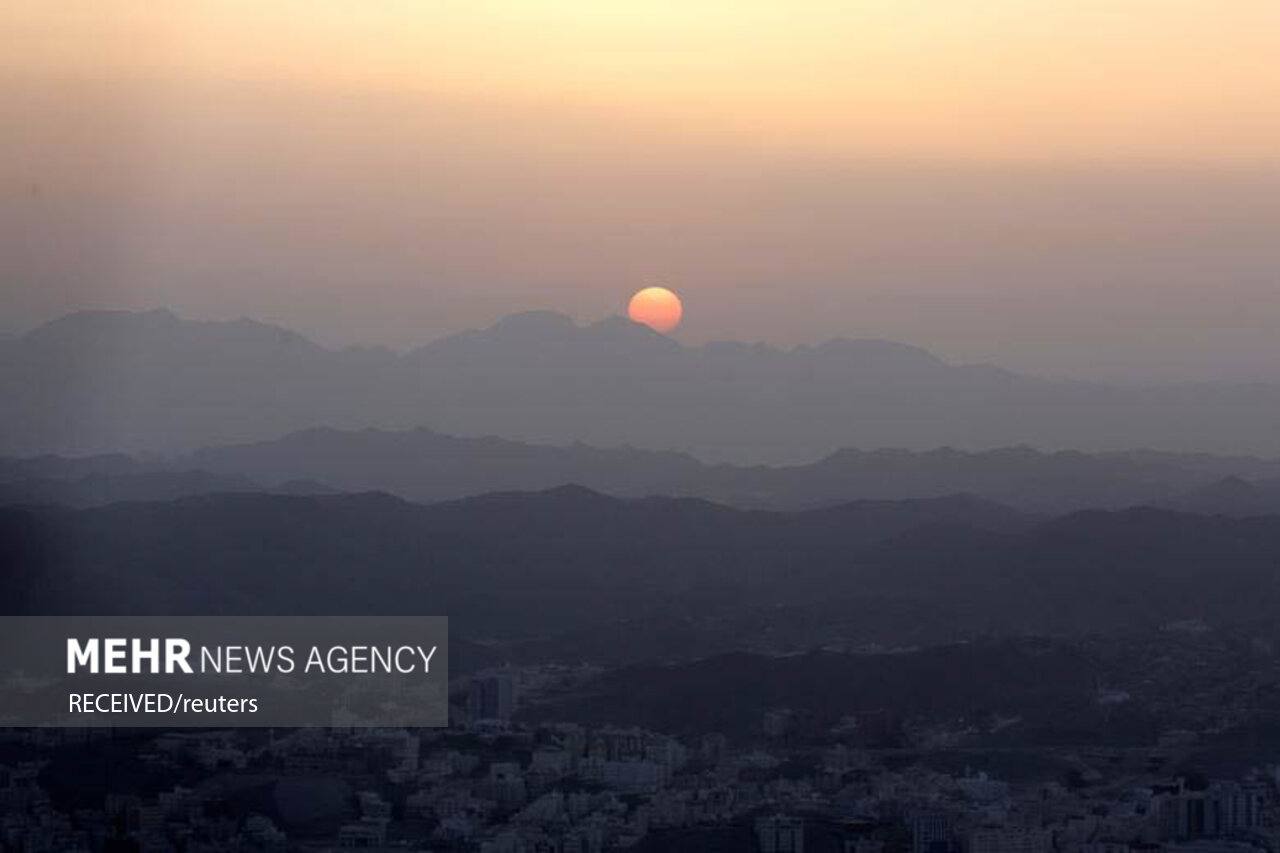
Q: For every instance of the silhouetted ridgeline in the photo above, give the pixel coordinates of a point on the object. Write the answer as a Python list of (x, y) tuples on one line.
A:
[(422, 465), (109, 381), (427, 466), (549, 569)]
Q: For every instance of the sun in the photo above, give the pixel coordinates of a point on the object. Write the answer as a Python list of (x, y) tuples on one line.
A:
[(656, 307)]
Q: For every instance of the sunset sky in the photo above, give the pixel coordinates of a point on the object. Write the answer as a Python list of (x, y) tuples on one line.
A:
[(1068, 187)]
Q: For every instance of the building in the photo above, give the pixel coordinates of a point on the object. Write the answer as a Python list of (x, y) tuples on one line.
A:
[(780, 834), (493, 696)]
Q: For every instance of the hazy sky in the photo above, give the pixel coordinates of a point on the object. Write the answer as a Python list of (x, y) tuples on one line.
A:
[(1085, 188)]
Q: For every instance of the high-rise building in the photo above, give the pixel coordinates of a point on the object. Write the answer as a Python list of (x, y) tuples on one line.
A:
[(931, 832), (493, 696), (780, 834)]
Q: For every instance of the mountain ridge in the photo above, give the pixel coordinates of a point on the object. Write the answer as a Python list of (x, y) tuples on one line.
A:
[(119, 381), (424, 465), (570, 560)]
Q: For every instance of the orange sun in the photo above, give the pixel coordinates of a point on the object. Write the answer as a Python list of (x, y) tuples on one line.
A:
[(656, 307)]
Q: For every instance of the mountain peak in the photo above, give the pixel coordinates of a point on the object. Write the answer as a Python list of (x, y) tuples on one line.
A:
[(134, 329), (561, 499), (543, 335), (618, 328), (527, 328), (82, 322)]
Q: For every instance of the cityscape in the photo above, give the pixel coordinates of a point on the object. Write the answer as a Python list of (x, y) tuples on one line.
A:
[(660, 426)]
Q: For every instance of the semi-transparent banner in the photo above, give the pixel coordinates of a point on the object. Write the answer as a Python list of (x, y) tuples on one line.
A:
[(219, 671)]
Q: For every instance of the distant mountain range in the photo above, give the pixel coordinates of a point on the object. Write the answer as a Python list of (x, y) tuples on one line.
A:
[(425, 466), (1012, 694), (114, 381), (1037, 680), (1231, 496), (582, 576)]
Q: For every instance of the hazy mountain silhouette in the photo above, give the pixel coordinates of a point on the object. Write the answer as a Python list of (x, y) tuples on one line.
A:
[(53, 467), (1232, 496), (426, 466), (532, 554), (98, 489), (111, 478), (105, 381), (523, 566), (422, 465)]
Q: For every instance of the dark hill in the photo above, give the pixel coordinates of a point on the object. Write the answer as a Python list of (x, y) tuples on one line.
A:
[(533, 566)]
